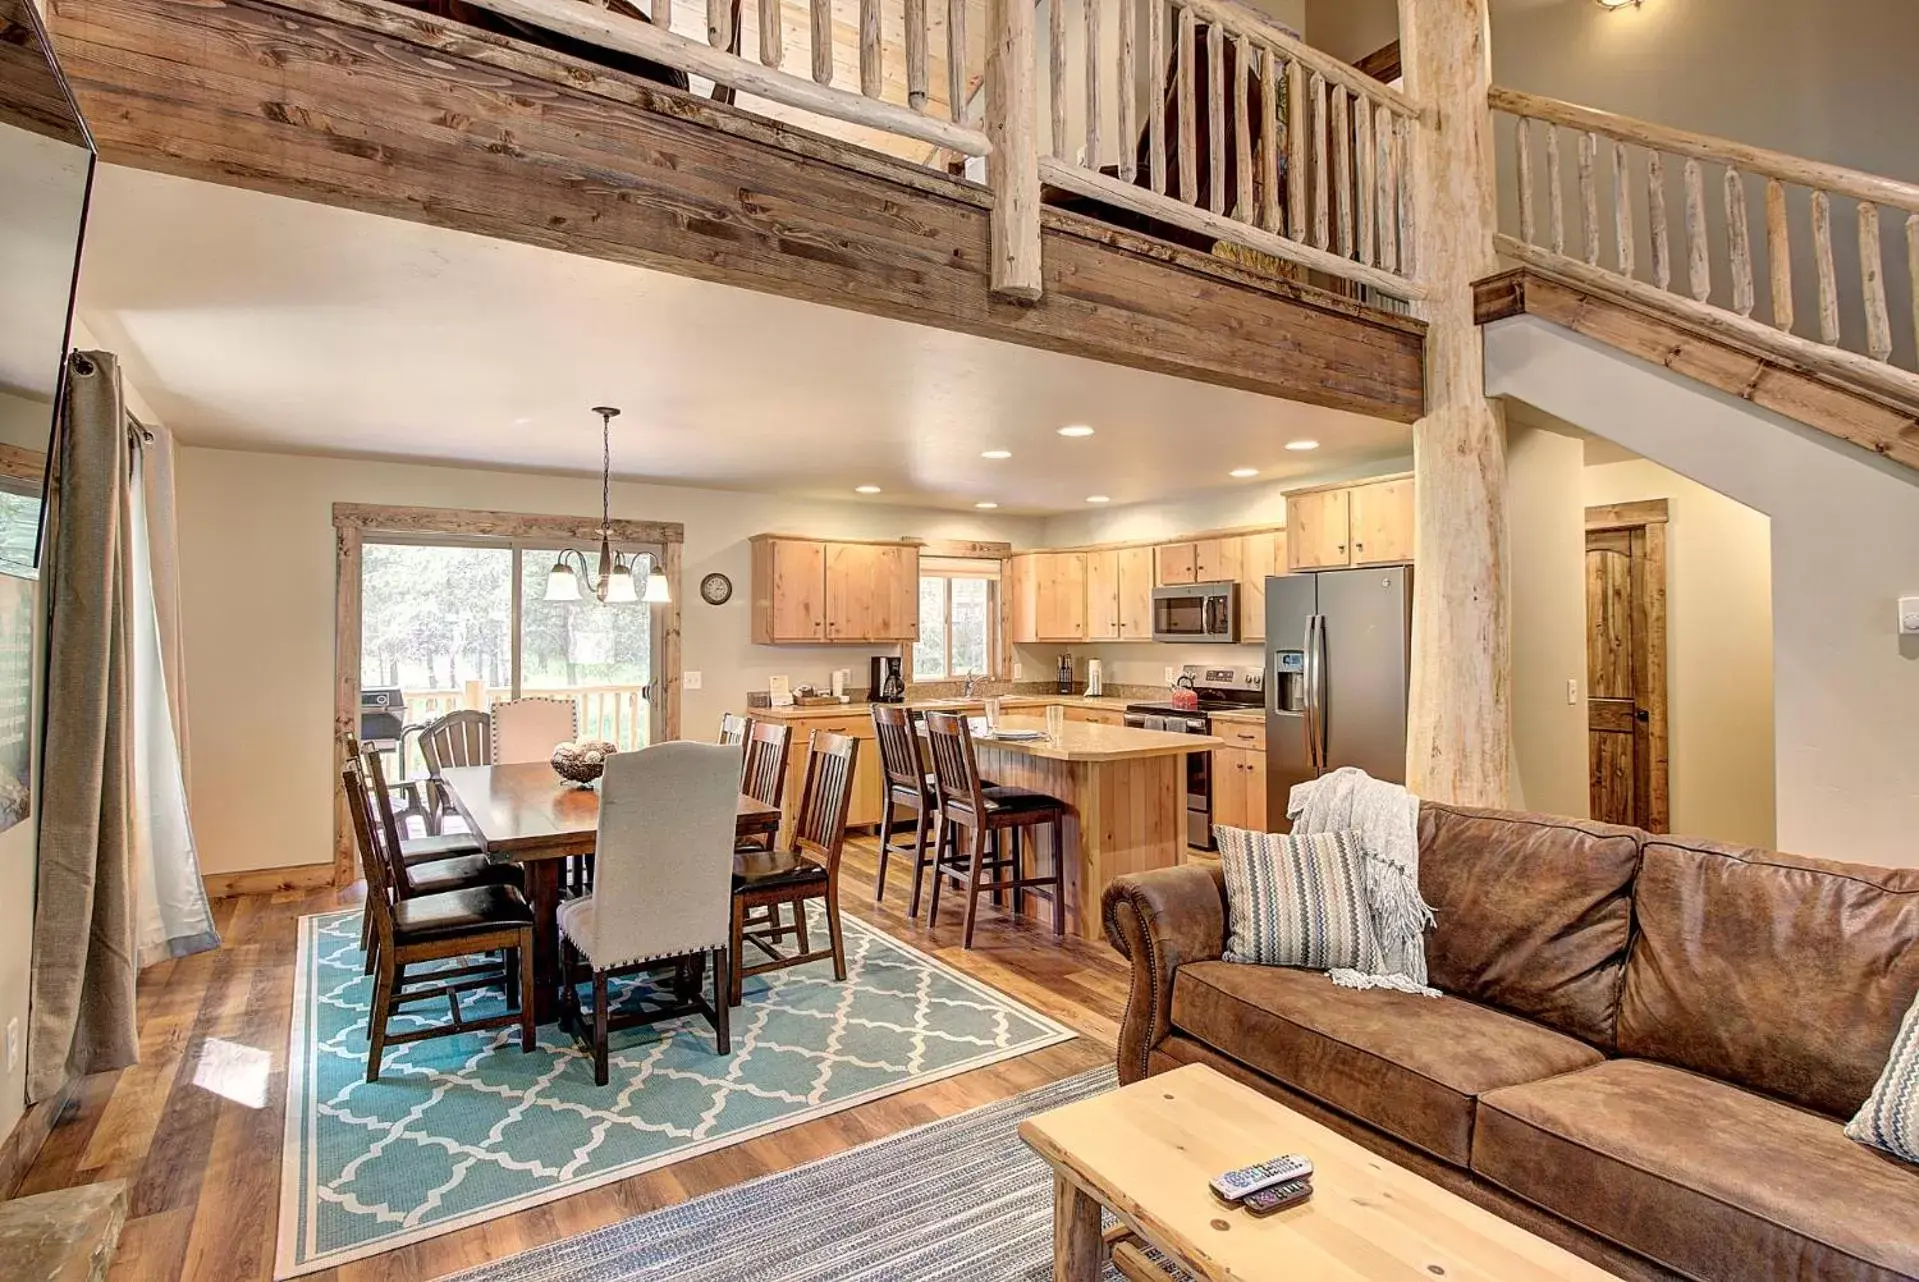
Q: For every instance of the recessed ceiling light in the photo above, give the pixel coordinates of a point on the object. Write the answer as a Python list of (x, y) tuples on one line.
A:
[(1097, 498), (1076, 429), (1302, 445), (866, 489), (997, 454), (1243, 472), (988, 504)]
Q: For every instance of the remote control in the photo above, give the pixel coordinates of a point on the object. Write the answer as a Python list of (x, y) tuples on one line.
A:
[(1234, 1185), (1278, 1197)]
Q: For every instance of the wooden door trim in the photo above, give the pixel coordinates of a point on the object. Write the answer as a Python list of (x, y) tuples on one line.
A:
[(1647, 520), (352, 521)]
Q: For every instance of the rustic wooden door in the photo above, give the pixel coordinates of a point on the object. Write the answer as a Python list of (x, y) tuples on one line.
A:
[(1626, 673)]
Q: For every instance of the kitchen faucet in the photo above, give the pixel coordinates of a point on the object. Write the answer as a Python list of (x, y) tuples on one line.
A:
[(966, 691)]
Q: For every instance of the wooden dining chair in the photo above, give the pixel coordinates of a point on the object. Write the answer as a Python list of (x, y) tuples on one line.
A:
[(763, 776), (908, 785), (661, 892), (986, 813), (413, 876), (463, 737), (734, 729), (808, 869), (470, 922), (432, 845), (529, 729)]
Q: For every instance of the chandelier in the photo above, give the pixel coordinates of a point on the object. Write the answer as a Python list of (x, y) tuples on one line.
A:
[(611, 582)]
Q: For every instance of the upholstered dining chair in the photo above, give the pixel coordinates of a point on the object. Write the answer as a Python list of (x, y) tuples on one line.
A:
[(734, 729), (528, 729), (468, 922), (986, 813), (808, 869), (661, 891)]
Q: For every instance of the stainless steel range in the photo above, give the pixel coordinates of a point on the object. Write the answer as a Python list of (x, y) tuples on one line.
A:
[(1214, 690)]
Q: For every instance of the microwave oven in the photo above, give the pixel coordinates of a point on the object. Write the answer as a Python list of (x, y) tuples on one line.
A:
[(1190, 612)]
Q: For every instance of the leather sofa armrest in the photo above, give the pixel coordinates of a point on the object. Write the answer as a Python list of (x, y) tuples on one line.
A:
[(1160, 921)]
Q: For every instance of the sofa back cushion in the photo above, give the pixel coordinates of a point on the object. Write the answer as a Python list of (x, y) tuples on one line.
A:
[(1777, 973), (1533, 913)]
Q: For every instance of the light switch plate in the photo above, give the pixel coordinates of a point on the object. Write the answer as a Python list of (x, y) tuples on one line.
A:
[(1909, 616), (1572, 690), (692, 680), (13, 1043)]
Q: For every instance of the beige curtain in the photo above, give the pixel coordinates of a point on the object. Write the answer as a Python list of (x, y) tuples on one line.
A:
[(83, 931)]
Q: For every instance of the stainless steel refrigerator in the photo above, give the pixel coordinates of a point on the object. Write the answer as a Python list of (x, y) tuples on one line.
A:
[(1339, 655)]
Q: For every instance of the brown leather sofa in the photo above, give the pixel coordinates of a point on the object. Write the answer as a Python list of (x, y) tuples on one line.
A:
[(1647, 1049)]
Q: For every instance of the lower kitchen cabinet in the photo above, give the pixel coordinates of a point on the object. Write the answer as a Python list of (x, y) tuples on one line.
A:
[(868, 778), (1096, 716), (1239, 788)]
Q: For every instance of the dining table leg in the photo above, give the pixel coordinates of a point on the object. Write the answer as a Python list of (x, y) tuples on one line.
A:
[(543, 883)]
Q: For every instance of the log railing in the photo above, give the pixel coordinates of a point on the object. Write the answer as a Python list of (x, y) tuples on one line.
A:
[(1249, 136), (801, 77), (1589, 191)]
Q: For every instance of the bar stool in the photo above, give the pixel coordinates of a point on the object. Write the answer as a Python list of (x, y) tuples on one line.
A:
[(907, 784), (986, 812)]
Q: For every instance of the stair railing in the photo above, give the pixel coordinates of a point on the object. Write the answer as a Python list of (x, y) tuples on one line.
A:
[(1607, 186), (1249, 136)]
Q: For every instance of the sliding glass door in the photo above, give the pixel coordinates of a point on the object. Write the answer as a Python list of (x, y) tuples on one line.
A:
[(465, 624)]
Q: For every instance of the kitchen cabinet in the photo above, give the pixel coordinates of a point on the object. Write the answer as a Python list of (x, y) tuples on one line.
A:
[(1059, 585), (1217, 560), (1095, 716), (1176, 563), (1018, 585), (863, 810), (813, 591), (1260, 555), (1381, 521), (1239, 789), (1119, 594), (1369, 524)]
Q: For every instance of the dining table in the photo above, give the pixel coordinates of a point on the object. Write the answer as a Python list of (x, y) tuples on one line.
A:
[(525, 813)]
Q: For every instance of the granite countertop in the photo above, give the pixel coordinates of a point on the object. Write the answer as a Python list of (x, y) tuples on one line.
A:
[(1090, 741), (862, 708), (1252, 716)]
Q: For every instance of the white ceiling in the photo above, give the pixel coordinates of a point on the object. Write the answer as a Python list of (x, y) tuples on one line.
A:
[(254, 321)]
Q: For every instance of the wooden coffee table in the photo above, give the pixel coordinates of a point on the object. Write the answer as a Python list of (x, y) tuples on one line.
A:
[(1145, 1152)]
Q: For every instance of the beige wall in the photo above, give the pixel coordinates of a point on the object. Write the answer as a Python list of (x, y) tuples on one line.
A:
[(1545, 512), (18, 850), (1844, 548), (256, 552)]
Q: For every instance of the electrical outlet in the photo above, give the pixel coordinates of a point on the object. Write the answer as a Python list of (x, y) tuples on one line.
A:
[(1572, 690), (1172, 674), (13, 1043), (692, 680), (1909, 616), (1018, 668)]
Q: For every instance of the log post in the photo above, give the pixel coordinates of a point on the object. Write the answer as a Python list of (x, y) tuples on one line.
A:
[(1012, 167), (1459, 731)]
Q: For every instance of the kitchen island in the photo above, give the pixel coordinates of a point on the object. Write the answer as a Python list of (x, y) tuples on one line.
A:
[(1125, 794)]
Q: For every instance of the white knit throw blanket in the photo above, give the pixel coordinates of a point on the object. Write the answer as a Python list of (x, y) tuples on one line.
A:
[(1386, 816)]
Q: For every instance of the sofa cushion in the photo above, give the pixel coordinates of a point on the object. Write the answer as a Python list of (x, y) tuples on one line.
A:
[(1533, 913), (1296, 900), (1707, 1179), (1782, 974), (1410, 1066)]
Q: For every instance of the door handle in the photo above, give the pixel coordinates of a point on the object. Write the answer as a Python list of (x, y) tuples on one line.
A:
[(1642, 716)]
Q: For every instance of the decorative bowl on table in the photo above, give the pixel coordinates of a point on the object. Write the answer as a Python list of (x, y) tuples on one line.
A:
[(582, 762)]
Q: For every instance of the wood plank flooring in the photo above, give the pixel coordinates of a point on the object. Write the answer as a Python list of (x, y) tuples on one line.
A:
[(204, 1170)]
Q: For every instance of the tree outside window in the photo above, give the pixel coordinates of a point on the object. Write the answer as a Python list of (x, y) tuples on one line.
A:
[(956, 628)]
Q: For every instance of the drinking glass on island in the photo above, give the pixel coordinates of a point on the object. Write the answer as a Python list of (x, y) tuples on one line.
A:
[(992, 713), (1055, 721)]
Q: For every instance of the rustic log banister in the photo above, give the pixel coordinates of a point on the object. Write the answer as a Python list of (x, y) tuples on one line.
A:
[(1861, 357)]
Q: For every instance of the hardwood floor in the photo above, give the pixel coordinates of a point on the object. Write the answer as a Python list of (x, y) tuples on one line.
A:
[(204, 1170)]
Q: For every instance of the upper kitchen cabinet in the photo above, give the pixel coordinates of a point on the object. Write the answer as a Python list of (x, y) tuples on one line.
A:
[(811, 591), (1119, 594), (1060, 592), (1260, 555), (1176, 563), (1370, 524)]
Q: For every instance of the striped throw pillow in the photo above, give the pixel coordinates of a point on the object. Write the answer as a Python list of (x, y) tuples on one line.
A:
[(1296, 900), (1890, 1118)]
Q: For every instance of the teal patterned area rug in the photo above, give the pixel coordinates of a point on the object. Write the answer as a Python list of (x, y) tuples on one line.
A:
[(463, 1129)]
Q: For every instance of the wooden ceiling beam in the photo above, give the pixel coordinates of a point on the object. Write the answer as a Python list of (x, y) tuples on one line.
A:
[(368, 106)]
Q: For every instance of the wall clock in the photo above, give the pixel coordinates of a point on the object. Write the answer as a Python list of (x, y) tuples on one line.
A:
[(716, 589)]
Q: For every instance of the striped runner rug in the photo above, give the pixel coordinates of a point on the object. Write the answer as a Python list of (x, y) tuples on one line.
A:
[(958, 1200)]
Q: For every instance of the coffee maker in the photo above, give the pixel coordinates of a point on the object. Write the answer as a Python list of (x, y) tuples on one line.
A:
[(885, 684)]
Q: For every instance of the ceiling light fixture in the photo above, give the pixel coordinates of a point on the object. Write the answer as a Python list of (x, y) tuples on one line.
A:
[(1241, 473), (866, 489), (1302, 445), (997, 454), (1619, 4), (987, 504), (611, 582), (1097, 498), (1076, 429)]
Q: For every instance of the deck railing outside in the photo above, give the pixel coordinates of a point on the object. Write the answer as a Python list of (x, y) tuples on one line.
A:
[(1698, 193), (621, 714)]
